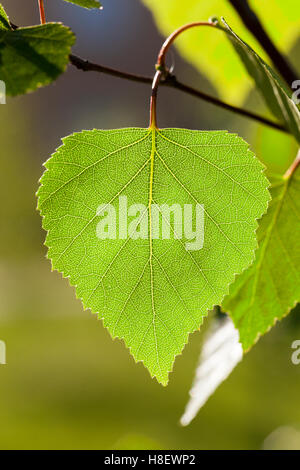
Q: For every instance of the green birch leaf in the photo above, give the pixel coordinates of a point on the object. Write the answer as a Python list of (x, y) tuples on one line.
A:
[(86, 3), (207, 50), (270, 288), (275, 93), (34, 56), (152, 289)]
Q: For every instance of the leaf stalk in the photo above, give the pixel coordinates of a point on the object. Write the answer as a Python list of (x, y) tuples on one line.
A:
[(161, 70), (42, 11)]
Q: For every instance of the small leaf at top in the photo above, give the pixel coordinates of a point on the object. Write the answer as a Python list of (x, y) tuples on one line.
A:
[(275, 93), (86, 3), (34, 56), (151, 287), (270, 288)]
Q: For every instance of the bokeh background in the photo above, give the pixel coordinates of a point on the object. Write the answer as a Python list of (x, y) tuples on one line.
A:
[(66, 384)]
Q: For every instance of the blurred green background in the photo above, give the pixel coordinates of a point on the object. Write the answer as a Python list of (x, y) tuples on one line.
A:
[(66, 384)]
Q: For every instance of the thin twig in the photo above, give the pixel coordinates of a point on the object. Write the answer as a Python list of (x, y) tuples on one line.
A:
[(172, 82), (252, 22), (88, 66), (42, 11)]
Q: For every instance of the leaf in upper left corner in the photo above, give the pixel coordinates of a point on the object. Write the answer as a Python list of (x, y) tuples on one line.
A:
[(33, 56)]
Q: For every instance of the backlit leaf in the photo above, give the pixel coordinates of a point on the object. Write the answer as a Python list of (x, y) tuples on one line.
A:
[(152, 292), (270, 288)]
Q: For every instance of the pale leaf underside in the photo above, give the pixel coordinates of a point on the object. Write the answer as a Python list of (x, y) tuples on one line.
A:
[(221, 352)]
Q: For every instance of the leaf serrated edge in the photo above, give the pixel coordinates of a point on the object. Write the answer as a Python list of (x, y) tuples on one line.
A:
[(226, 291)]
